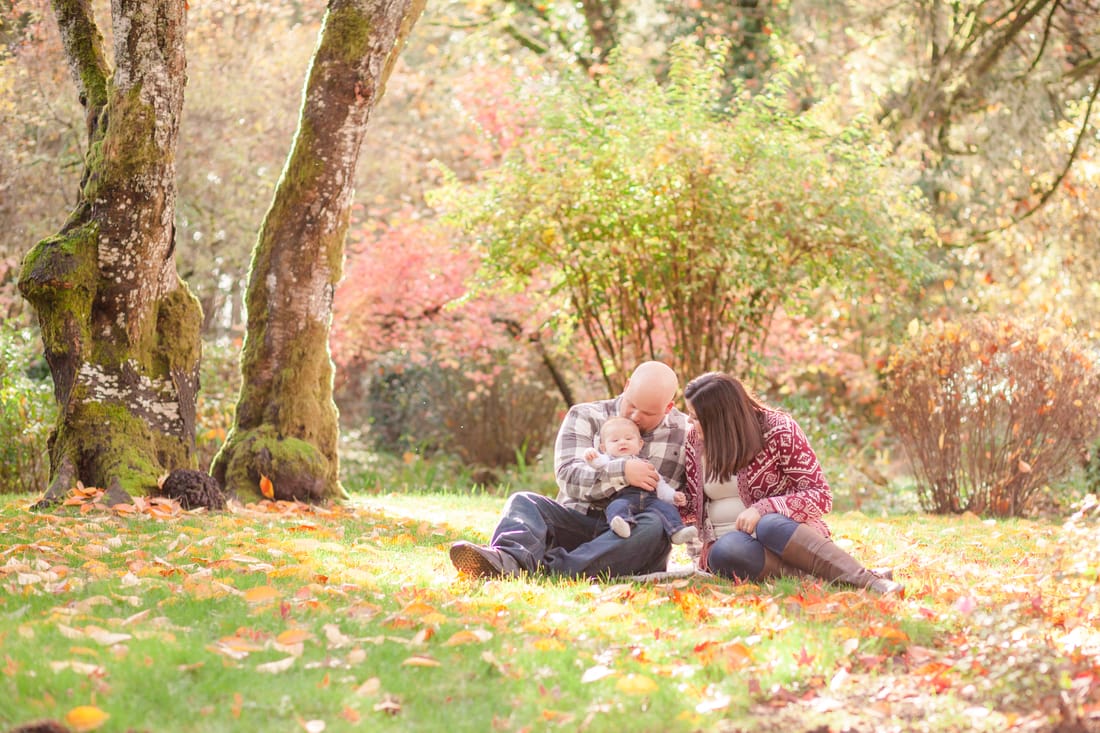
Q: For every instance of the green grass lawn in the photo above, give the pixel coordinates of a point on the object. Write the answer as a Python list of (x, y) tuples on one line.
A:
[(282, 618)]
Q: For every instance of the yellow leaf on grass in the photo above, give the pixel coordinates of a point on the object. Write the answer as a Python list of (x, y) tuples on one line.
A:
[(369, 687), (85, 717), (105, 637), (260, 594), (420, 660), (609, 610), (468, 637), (636, 684), (293, 636), (78, 667)]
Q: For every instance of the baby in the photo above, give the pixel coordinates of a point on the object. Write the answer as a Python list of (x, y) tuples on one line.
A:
[(620, 438)]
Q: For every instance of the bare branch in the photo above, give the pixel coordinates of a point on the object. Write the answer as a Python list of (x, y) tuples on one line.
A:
[(1049, 193)]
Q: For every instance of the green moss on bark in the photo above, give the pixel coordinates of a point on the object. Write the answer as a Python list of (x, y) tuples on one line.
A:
[(126, 146), (292, 416), (108, 444), (179, 330), (347, 34), (58, 277), (297, 470)]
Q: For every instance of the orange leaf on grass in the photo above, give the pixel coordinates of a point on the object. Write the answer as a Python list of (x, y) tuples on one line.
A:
[(803, 658), (293, 636), (85, 717), (266, 487), (260, 594)]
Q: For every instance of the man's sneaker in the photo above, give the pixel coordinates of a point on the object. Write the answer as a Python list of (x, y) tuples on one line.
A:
[(684, 535), (620, 526), (482, 562)]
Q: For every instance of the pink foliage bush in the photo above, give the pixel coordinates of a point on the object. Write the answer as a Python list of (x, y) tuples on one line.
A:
[(406, 305)]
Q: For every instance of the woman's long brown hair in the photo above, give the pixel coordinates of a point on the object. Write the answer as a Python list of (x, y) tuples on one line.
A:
[(731, 421)]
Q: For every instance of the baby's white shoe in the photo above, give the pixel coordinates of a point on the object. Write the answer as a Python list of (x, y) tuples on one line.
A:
[(621, 527), (683, 535)]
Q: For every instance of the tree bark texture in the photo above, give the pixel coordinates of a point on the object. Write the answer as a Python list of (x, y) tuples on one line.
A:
[(119, 328), (286, 427)]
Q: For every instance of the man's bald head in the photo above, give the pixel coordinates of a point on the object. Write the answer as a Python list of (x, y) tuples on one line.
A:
[(648, 394)]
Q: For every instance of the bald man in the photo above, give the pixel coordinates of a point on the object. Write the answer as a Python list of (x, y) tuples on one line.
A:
[(570, 536)]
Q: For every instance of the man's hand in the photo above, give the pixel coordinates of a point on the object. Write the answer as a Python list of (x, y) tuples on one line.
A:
[(640, 473), (747, 520)]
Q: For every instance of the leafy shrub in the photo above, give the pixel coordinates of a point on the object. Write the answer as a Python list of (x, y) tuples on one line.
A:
[(989, 410), (670, 228), (27, 412), (489, 420)]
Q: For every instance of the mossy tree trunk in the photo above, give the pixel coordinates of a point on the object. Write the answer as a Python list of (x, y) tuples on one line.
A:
[(120, 329), (285, 429)]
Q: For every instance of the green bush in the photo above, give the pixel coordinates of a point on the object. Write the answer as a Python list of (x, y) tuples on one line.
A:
[(489, 421), (991, 410), (669, 227), (27, 413)]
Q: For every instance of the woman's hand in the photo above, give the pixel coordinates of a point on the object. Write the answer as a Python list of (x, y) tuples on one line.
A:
[(747, 520)]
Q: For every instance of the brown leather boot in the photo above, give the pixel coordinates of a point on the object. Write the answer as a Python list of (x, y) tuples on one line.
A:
[(774, 567), (810, 551)]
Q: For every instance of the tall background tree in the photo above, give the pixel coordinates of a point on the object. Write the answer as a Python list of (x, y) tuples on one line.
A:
[(119, 327), (284, 438)]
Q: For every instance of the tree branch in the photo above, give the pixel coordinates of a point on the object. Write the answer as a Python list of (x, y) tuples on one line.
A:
[(87, 63), (516, 331), (1046, 36), (1049, 193)]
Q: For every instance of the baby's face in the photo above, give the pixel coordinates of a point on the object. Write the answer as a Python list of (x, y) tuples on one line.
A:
[(622, 441)]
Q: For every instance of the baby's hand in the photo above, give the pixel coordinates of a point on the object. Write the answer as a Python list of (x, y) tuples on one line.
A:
[(590, 455), (680, 499)]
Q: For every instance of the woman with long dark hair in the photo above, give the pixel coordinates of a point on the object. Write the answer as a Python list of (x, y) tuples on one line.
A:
[(759, 492)]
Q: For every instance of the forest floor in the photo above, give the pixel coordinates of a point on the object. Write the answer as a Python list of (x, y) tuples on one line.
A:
[(282, 617)]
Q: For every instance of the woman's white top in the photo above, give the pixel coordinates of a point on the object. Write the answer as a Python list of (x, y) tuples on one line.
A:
[(723, 504)]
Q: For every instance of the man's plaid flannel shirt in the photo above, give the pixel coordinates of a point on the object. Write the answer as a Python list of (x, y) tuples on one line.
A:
[(581, 486)]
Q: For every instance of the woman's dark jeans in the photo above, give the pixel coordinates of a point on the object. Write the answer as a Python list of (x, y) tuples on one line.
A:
[(739, 555)]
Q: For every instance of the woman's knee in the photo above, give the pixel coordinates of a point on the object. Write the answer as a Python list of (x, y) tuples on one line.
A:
[(736, 555), (774, 531)]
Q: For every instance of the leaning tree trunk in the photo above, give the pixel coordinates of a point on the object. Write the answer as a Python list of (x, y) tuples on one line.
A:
[(285, 428), (120, 330)]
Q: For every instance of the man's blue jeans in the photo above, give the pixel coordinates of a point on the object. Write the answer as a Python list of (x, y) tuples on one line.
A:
[(546, 537)]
